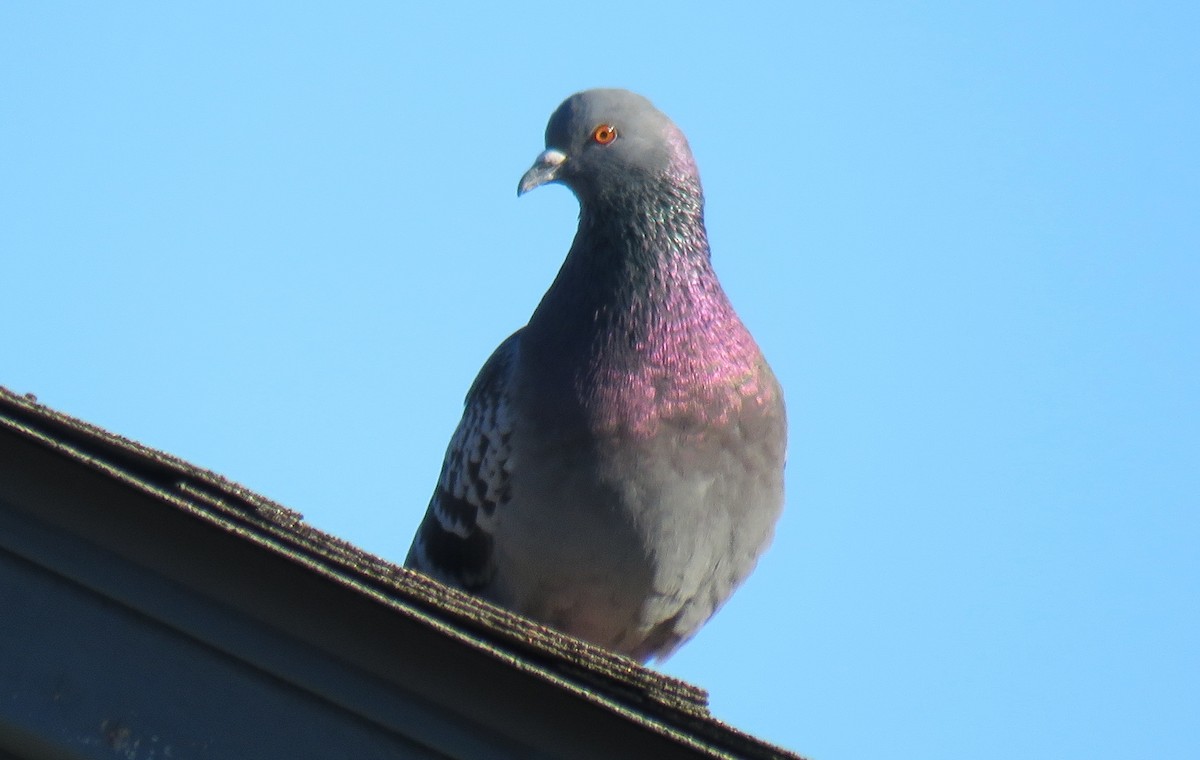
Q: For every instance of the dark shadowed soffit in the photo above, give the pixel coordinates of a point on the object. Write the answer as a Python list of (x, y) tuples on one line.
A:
[(613, 683)]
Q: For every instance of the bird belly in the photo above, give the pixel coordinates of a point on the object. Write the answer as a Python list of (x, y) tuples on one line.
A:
[(633, 543)]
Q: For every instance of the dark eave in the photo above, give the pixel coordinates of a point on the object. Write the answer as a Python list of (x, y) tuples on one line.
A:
[(219, 539)]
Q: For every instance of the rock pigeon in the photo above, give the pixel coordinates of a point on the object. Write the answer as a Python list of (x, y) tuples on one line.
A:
[(618, 468)]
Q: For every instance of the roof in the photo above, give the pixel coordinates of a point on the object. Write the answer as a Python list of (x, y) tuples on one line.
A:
[(397, 621)]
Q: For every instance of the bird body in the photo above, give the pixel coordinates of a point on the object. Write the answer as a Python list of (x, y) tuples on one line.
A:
[(619, 465)]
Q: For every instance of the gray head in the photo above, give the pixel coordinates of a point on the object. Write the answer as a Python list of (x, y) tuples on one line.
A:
[(605, 141)]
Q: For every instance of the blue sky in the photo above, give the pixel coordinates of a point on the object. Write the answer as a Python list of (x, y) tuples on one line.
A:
[(278, 241)]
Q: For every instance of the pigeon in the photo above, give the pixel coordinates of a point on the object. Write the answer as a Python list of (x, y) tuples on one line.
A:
[(618, 468)]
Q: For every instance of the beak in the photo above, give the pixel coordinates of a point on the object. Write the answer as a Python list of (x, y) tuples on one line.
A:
[(545, 169)]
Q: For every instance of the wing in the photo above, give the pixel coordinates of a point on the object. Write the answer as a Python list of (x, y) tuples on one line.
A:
[(454, 542)]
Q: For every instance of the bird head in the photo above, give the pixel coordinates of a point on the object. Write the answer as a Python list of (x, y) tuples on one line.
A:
[(606, 141)]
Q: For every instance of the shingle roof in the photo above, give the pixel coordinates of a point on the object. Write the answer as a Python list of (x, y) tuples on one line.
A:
[(621, 686)]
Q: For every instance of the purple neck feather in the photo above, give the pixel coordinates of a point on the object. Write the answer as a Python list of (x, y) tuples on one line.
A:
[(636, 323)]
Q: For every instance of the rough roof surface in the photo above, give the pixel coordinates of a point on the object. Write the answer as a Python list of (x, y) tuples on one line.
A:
[(614, 682)]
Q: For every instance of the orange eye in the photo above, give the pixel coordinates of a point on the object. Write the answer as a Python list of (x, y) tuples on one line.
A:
[(604, 134)]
